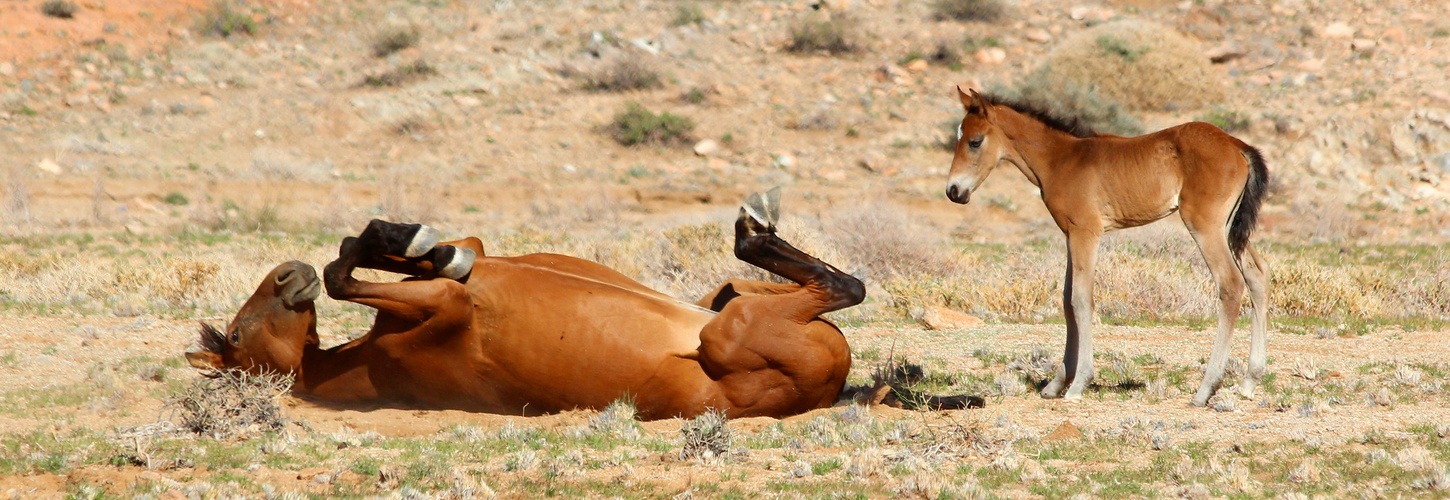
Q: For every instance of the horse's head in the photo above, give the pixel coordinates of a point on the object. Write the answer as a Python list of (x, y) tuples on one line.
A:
[(271, 330), (981, 144)]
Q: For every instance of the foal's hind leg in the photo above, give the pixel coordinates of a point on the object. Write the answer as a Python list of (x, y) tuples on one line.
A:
[(1256, 275), (1213, 242)]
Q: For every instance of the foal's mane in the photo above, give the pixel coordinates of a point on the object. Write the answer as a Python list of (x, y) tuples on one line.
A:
[(1070, 124)]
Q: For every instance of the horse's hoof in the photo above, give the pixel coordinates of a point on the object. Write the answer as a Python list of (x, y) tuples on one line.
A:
[(424, 240), (1050, 395), (764, 207), (458, 265)]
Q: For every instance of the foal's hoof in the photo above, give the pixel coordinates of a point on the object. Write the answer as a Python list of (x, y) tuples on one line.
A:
[(764, 207), (424, 240), (453, 262)]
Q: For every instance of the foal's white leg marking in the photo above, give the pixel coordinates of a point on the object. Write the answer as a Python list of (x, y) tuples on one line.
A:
[(1083, 248), (424, 241), (460, 265), (1227, 276), (1256, 275)]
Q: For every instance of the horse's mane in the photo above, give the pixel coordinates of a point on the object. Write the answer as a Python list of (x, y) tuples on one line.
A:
[(1070, 124), (212, 339)]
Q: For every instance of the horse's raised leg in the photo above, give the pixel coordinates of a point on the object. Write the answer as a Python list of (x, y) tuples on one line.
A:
[(1082, 250), (1256, 275), (716, 300), (416, 300), (1213, 243), (757, 244)]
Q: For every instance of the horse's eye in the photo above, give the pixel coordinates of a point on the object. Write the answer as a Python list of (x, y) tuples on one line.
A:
[(236, 337), (975, 143)]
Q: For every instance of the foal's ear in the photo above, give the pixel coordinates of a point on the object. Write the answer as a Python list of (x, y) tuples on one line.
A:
[(972, 101)]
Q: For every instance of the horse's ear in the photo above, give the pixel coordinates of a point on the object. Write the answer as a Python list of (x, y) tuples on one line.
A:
[(966, 98), (205, 360)]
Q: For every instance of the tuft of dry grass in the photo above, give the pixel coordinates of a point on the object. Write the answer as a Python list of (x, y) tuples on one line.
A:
[(625, 73), (402, 75), (706, 437), (1140, 64), (967, 10), (233, 404), (834, 35), (393, 39), (16, 209), (616, 420)]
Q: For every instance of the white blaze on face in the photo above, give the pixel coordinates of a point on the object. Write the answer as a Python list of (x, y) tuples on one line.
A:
[(959, 132)]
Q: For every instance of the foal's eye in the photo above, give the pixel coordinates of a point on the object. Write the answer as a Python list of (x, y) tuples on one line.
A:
[(975, 142)]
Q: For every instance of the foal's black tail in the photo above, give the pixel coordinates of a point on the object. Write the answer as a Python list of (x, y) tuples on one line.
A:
[(1253, 196)]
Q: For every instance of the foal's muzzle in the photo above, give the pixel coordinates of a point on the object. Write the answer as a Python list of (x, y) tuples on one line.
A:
[(958, 194)]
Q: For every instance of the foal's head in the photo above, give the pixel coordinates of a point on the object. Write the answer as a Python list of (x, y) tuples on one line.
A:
[(271, 330), (980, 146)]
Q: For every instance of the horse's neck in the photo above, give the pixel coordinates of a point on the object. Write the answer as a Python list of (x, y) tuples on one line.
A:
[(337, 373), (1038, 146)]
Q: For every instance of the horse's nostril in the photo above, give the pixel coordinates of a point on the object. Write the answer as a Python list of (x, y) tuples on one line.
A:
[(284, 275), (952, 192)]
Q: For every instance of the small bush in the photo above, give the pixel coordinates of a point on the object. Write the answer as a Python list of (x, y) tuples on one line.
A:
[(1139, 64), (637, 125), (706, 436), (617, 420), (233, 403), (175, 198), (401, 75), (832, 36), (395, 39), (224, 20), (62, 9), (687, 14), (1228, 120), (625, 73), (967, 10)]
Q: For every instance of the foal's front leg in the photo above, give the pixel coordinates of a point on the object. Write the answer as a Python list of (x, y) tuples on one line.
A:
[(1077, 311)]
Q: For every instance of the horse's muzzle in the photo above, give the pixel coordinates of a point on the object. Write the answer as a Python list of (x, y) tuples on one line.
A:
[(957, 194)]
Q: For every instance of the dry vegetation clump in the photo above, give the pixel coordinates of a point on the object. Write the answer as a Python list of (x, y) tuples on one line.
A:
[(402, 75), (880, 242), (393, 39), (60, 9), (233, 404), (638, 125), (1139, 64), (617, 421), (16, 209), (706, 436), (1303, 289), (967, 10), (223, 19), (625, 73), (833, 35), (409, 193), (688, 14)]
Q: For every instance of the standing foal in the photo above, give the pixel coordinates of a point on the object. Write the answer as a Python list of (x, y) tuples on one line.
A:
[(1094, 183)]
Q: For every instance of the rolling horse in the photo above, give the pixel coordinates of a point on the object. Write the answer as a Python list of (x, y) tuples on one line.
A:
[(1094, 183), (543, 333)]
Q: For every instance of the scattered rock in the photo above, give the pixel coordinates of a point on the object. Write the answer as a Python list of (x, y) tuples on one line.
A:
[(311, 472), (467, 101), (7, 68), (1312, 65), (307, 83), (890, 73), (941, 318), (1226, 52), (784, 160), (873, 162), (48, 166), (707, 147), (1038, 35), (1362, 46), (990, 55), (917, 65), (1339, 30), (1064, 432), (1396, 35), (1079, 12)]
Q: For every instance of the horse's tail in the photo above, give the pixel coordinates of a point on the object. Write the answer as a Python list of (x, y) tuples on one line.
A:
[(1247, 213)]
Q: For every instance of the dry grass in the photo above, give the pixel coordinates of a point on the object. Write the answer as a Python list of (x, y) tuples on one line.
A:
[(706, 437), (60, 9), (637, 125), (624, 73), (224, 19), (967, 10), (233, 404), (1139, 64), (393, 39), (831, 35), (401, 75)]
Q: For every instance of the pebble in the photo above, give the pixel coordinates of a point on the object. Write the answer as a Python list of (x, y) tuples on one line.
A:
[(7, 68), (49, 166), (1038, 35), (991, 55), (784, 160), (1225, 52), (1362, 46), (1339, 30), (706, 147), (917, 65)]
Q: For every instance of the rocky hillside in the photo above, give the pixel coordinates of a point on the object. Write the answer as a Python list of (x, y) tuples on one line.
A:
[(154, 116)]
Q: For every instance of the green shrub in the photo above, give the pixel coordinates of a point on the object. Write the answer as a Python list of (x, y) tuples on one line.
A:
[(687, 14), (395, 39), (1226, 119), (1070, 100), (1138, 64), (637, 125), (224, 20), (62, 9), (176, 198), (967, 10)]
